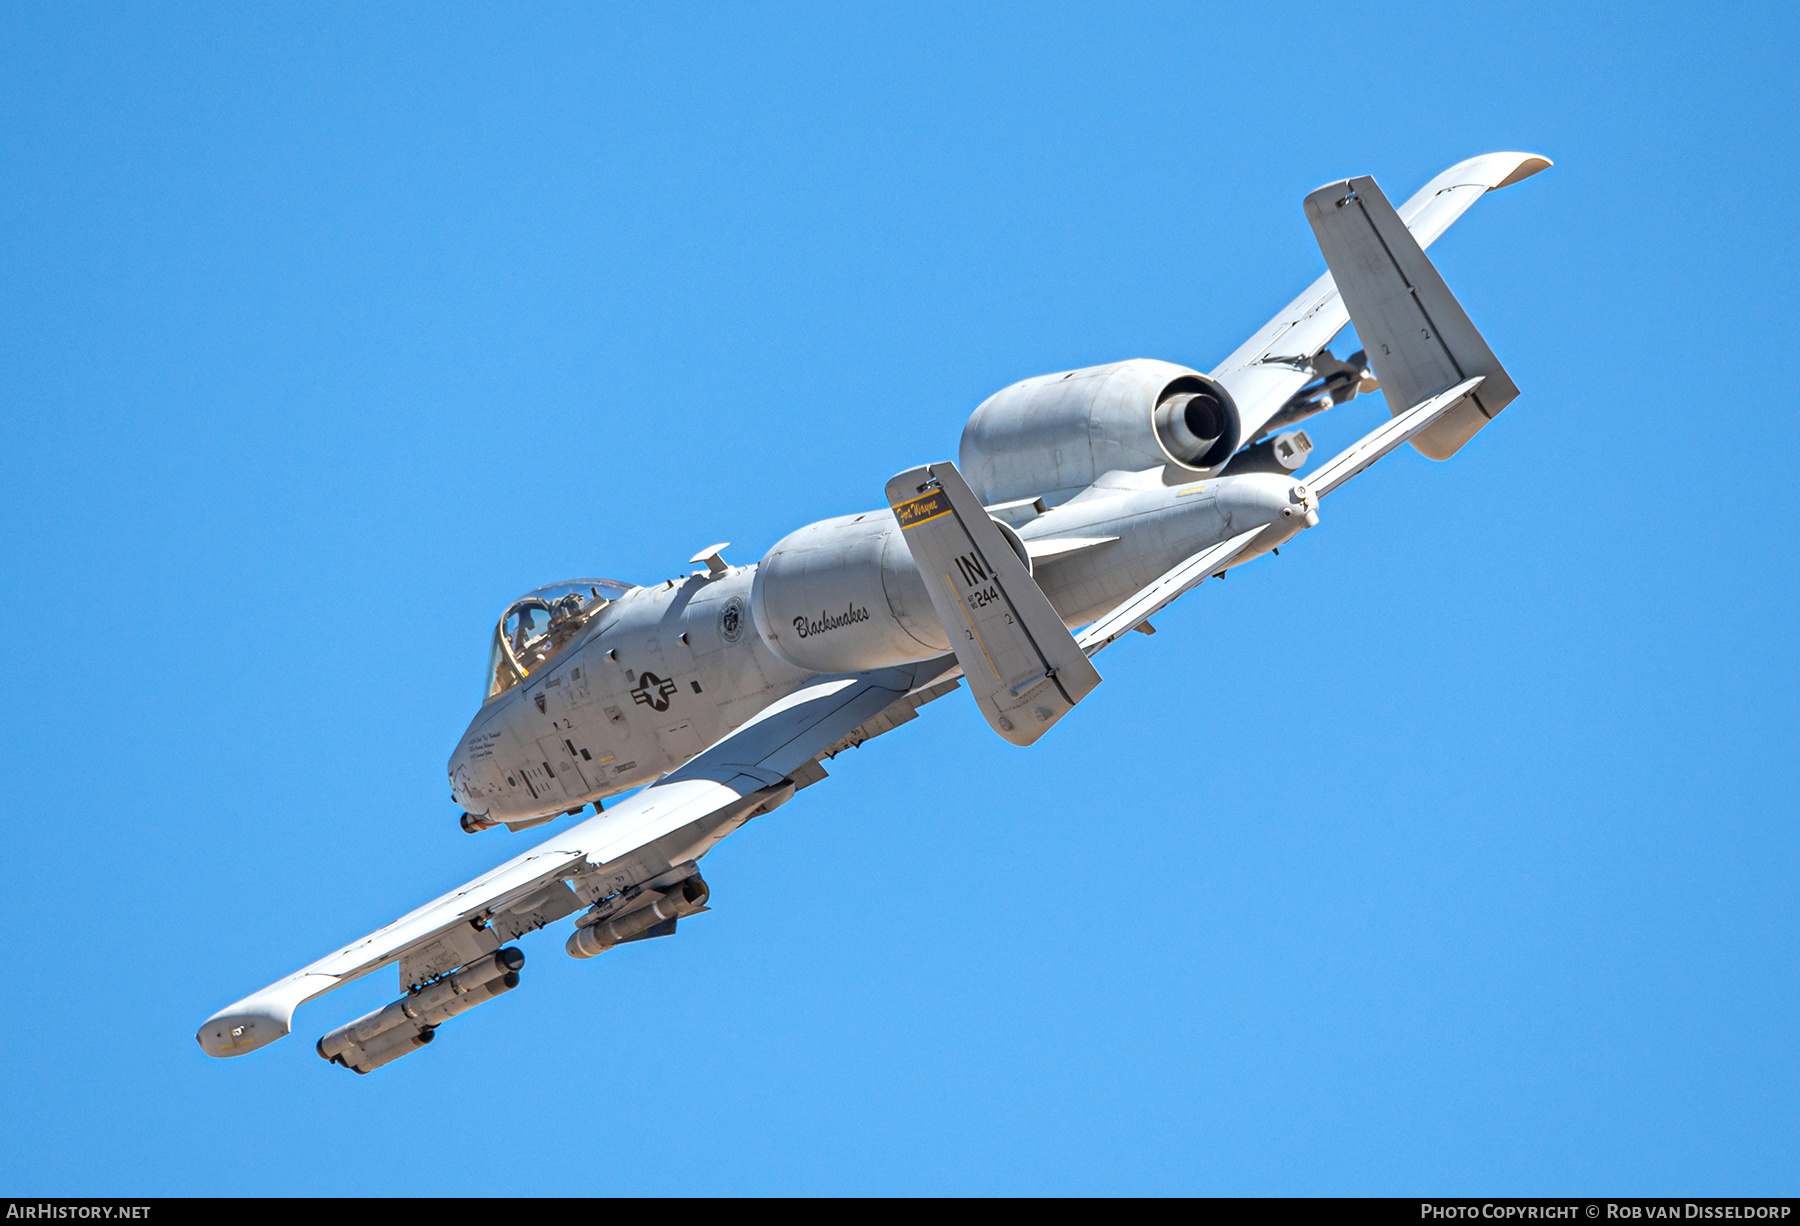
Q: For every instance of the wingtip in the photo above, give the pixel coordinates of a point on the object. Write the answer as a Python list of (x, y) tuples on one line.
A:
[(235, 1034), (1529, 164), (259, 1020)]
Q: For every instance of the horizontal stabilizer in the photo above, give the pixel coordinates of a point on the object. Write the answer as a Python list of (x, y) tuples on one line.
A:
[(1055, 548), (1385, 437), (1184, 576), (1419, 339), (1020, 661)]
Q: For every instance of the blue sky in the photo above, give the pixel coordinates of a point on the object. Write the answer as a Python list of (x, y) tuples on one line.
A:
[(1451, 852)]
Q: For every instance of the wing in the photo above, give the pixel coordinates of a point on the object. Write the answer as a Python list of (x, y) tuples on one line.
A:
[(1385, 437), (674, 821), (1276, 362)]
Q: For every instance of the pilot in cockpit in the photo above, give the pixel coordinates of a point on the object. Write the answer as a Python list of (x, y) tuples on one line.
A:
[(539, 625), (564, 608)]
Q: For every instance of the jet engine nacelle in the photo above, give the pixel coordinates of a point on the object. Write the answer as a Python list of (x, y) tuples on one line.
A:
[(1056, 434), (843, 595)]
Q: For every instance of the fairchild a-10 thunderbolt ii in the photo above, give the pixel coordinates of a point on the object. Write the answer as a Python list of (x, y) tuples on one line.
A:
[(1082, 502)]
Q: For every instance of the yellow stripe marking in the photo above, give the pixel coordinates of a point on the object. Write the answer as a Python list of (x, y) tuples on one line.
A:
[(923, 509)]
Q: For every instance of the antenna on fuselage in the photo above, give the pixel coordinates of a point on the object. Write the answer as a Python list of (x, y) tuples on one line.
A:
[(715, 565)]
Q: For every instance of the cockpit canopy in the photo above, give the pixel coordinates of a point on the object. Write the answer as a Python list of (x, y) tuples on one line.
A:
[(537, 626)]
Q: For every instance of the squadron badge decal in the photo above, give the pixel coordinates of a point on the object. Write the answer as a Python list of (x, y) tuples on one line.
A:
[(731, 620)]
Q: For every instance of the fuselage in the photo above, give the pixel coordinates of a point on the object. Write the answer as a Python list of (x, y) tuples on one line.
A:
[(664, 671)]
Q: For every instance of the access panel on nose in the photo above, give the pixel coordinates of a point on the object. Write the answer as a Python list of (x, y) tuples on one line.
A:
[(1021, 663)]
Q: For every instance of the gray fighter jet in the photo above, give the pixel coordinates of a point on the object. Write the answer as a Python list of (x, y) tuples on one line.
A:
[(1081, 504)]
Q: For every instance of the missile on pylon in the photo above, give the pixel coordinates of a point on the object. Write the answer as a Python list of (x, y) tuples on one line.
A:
[(409, 1023)]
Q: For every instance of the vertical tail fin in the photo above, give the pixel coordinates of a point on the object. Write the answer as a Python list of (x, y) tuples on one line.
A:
[(1418, 337), (1020, 661)]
